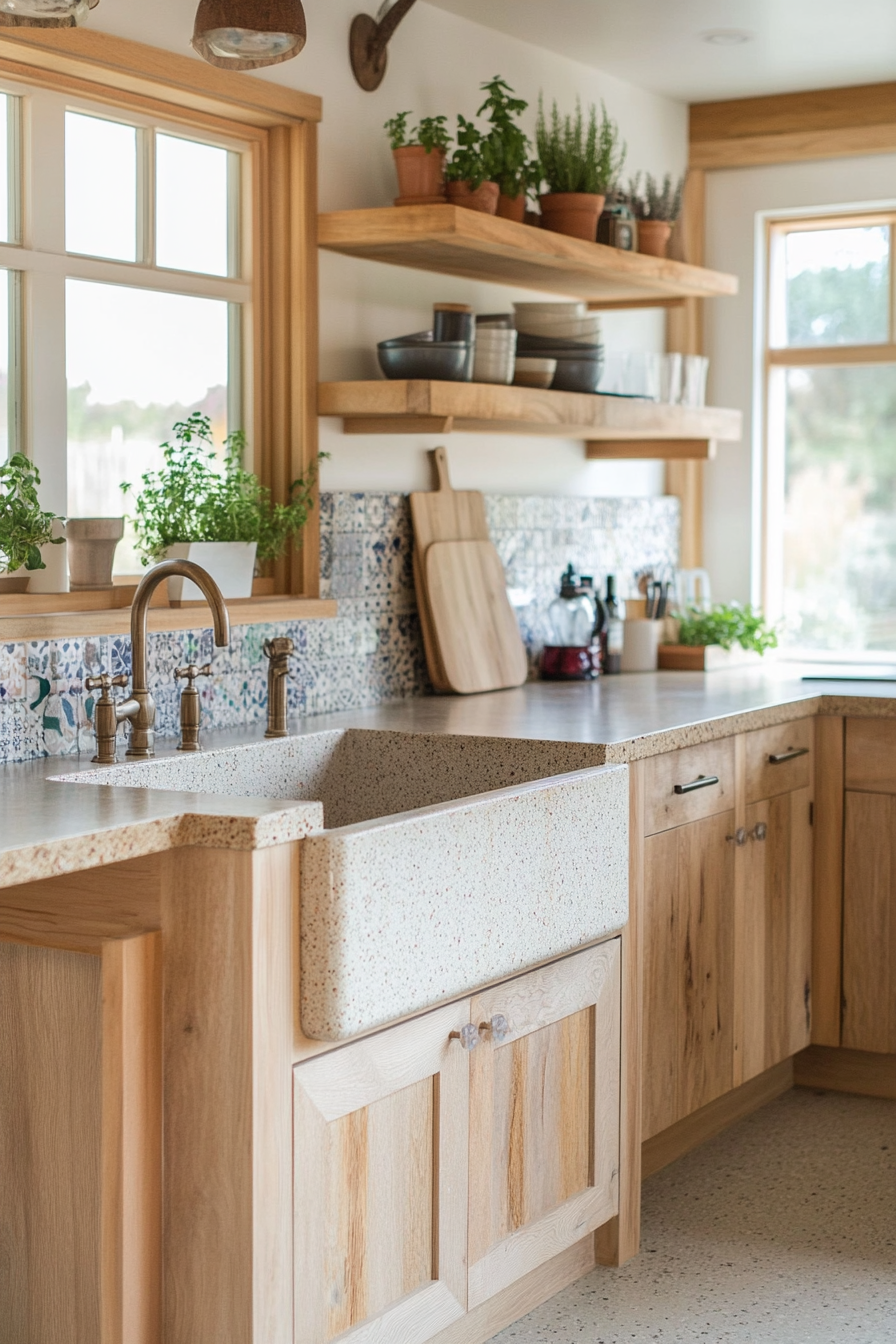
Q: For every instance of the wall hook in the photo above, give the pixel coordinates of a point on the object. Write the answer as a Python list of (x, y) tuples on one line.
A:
[(369, 39)]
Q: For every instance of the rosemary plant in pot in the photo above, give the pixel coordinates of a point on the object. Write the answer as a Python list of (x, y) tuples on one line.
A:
[(656, 209), (211, 510), (24, 525), (512, 165), (580, 165), (419, 158), (469, 172)]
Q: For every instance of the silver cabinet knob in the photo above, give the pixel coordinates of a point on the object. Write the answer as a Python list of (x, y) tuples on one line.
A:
[(468, 1036), (759, 831), (739, 837), (497, 1027)]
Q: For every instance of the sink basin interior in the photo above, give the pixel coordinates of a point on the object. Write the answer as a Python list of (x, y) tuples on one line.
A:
[(358, 774)]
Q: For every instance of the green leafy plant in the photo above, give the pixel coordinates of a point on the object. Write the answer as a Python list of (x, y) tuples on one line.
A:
[(574, 157), (24, 525), (471, 161), (727, 624), (432, 132), (198, 497), (658, 200), (509, 148)]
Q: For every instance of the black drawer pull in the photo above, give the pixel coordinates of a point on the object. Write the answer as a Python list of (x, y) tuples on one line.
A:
[(702, 782), (789, 755)]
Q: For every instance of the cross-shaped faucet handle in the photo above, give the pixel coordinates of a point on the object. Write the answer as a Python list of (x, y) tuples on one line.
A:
[(104, 682), (191, 672)]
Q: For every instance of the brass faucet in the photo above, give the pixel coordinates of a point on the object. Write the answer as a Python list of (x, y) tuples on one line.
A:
[(278, 651), (140, 707)]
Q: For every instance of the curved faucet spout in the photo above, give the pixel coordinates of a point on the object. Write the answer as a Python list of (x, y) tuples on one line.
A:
[(142, 732)]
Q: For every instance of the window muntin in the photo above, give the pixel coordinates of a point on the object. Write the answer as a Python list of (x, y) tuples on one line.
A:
[(831, 436)]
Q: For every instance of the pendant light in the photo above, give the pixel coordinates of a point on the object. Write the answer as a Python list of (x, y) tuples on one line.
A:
[(44, 13), (246, 34)]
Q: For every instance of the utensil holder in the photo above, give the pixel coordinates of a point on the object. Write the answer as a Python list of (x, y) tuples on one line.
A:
[(640, 644)]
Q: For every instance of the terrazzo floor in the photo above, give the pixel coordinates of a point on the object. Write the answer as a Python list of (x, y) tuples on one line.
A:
[(780, 1231)]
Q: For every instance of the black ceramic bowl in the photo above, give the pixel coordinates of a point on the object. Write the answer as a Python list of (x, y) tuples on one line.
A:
[(576, 375), (549, 345), (446, 361)]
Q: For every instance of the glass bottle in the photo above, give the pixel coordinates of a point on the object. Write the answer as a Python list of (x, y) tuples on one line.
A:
[(611, 639)]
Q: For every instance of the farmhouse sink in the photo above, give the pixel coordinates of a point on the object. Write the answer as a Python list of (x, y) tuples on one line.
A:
[(445, 862)]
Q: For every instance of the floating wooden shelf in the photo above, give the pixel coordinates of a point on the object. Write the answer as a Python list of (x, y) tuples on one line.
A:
[(53, 615), (452, 241), (612, 426)]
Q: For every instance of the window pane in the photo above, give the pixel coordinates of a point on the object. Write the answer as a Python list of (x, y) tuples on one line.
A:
[(191, 206), (9, 169), (838, 285), (100, 187), (137, 361), (840, 508), (7, 446)]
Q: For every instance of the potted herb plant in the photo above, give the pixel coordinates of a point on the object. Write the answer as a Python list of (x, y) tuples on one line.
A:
[(580, 165), (657, 210), (24, 525), (727, 635), (200, 507), (468, 175), (512, 165), (419, 158)]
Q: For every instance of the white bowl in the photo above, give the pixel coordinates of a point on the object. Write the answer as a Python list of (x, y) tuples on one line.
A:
[(577, 309), (534, 372)]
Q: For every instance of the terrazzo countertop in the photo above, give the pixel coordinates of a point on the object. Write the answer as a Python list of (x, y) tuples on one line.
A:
[(48, 828)]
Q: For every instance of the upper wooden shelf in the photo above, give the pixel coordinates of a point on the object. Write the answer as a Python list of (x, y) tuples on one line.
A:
[(452, 241), (54, 615), (613, 426)]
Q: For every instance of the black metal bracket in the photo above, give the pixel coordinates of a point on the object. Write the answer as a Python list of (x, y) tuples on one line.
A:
[(369, 40)]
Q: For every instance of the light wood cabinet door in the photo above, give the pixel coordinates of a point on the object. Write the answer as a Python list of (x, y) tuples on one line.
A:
[(381, 1144), (688, 980), (544, 1116), (869, 922), (775, 952)]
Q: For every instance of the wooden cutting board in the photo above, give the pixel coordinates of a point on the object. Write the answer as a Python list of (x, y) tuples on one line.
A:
[(442, 514), (473, 622)]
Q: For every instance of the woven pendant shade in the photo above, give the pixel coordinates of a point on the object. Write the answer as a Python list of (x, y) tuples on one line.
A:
[(44, 13), (246, 34)]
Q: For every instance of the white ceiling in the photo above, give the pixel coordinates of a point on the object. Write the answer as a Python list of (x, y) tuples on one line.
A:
[(658, 44)]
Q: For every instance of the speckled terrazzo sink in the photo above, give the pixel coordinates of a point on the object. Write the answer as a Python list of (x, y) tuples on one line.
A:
[(446, 862)]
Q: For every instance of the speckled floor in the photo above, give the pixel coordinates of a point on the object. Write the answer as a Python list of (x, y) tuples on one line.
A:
[(780, 1231)]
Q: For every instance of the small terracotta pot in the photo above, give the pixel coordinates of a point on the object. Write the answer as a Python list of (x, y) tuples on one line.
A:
[(484, 198), (421, 173), (512, 207), (574, 213), (653, 237), (91, 551)]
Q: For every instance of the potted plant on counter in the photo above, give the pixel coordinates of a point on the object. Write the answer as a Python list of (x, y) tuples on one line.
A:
[(580, 165), (469, 173), (727, 635), (209, 509), (512, 165), (24, 525), (419, 158), (656, 210)]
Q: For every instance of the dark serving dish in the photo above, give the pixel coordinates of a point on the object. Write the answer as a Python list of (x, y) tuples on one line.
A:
[(447, 361)]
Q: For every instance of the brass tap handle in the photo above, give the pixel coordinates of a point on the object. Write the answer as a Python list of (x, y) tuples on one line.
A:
[(105, 716), (190, 708), (278, 652)]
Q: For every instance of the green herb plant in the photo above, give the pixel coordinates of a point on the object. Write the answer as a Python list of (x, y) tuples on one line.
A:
[(199, 497), (576, 157), (658, 200), (24, 525), (432, 132), (510, 151), (471, 162), (727, 624)]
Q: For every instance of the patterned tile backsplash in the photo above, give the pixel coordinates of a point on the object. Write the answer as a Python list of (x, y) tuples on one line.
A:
[(370, 653)]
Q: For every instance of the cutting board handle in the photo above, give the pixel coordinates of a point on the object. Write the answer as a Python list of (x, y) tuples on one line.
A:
[(440, 463)]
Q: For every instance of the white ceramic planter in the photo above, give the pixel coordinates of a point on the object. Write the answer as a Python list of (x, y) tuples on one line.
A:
[(230, 563)]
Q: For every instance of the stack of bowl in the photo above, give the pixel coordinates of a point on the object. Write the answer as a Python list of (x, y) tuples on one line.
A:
[(495, 352), (567, 333)]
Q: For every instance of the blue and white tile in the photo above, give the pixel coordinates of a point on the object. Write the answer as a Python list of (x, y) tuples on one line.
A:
[(13, 672)]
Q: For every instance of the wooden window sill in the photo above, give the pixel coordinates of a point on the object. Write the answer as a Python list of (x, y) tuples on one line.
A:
[(108, 612)]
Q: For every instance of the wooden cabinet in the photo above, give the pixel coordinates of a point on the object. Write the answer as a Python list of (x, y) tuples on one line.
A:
[(429, 1177), (869, 922), (727, 916)]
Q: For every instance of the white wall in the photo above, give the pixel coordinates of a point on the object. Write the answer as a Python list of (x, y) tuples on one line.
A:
[(735, 201), (437, 62)]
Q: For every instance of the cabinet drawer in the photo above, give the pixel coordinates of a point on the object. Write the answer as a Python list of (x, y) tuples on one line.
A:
[(871, 755), (686, 771), (779, 759)]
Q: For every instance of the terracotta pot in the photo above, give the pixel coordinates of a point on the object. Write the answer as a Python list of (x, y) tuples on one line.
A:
[(653, 237), (574, 213), (91, 551), (421, 174), (512, 207), (484, 198)]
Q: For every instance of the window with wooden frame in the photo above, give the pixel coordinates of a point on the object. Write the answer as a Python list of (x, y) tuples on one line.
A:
[(207, 181), (830, 434)]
